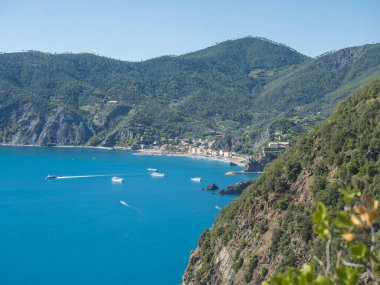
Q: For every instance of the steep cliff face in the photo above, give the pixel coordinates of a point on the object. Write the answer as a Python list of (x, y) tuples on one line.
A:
[(58, 126), (268, 228)]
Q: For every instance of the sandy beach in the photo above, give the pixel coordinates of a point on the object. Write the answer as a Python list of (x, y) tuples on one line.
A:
[(238, 160)]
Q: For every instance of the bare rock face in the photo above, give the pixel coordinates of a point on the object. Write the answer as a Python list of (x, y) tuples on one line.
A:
[(58, 126), (115, 137), (222, 268), (223, 263)]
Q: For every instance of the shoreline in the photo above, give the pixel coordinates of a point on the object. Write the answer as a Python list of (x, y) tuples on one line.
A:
[(145, 152), (61, 146), (153, 152)]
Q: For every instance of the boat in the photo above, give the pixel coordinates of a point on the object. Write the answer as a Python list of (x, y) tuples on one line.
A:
[(151, 169), (157, 174), (51, 177), (117, 179), (196, 179), (124, 203)]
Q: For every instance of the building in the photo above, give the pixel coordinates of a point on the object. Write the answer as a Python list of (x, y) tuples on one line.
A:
[(278, 145), (227, 154)]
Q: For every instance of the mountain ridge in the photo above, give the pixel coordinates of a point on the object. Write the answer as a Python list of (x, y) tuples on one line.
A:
[(233, 87)]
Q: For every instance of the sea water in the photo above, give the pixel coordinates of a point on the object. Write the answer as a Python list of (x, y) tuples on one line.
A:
[(76, 231)]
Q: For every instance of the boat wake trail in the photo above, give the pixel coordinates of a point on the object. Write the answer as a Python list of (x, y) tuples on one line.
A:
[(85, 176), (124, 203)]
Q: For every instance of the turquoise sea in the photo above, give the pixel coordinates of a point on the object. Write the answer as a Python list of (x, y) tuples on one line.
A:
[(76, 231)]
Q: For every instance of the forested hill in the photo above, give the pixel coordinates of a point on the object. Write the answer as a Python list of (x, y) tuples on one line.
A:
[(269, 227), (234, 87)]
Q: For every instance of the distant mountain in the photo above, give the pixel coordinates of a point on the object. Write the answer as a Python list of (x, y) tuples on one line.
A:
[(236, 87), (269, 227)]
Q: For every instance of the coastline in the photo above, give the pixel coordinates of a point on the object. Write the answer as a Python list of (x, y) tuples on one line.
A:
[(238, 160), (61, 146)]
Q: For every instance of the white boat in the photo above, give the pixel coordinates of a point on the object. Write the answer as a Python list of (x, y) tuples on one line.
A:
[(124, 203), (151, 169), (117, 179), (157, 174), (51, 177), (196, 179)]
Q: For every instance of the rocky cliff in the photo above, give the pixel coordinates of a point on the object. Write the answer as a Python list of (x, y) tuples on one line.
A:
[(58, 126), (268, 228)]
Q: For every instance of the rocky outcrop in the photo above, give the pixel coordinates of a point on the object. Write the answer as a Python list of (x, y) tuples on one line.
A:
[(211, 187), (117, 137), (222, 266), (258, 165), (58, 126), (236, 189)]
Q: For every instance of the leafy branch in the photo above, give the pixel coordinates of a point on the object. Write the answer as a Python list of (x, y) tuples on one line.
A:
[(357, 259)]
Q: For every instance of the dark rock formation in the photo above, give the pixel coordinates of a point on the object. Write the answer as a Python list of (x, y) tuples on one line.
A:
[(232, 163), (211, 187), (236, 189)]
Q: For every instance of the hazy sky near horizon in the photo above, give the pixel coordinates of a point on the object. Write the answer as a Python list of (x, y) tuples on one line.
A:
[(138, 30)]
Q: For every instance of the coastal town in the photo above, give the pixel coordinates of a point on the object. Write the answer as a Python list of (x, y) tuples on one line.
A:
[(200, 148), (203, 148)]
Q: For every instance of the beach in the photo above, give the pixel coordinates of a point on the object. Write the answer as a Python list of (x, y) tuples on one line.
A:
[(238, 160)]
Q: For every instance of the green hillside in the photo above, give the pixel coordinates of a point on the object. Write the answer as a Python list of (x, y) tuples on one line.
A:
[(269, 227), (238, 87)]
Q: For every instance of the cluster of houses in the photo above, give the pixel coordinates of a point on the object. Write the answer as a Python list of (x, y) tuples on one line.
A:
[(197, 147), (209, 152)]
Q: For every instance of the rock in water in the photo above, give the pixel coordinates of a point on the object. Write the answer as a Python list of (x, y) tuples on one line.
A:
[(211, 187)]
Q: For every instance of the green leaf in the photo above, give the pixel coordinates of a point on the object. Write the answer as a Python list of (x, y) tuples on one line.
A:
[(349, 195), (348, 275), (321, 219), (323, 280), (342, 220), (359, 250)]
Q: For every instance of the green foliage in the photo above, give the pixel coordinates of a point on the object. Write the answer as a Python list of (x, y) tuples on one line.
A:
[(358, 247), (321, 219), (252, 264), (277, 207), (241, 88)]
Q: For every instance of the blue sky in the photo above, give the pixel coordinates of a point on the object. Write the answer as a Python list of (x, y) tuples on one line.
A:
[(136, 30)]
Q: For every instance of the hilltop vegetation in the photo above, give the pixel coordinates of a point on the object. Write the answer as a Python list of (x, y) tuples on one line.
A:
[(240, 88), (269, 227)]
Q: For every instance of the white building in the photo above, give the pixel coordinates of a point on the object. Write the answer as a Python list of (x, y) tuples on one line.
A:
[(278, 145), (227, 154)]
